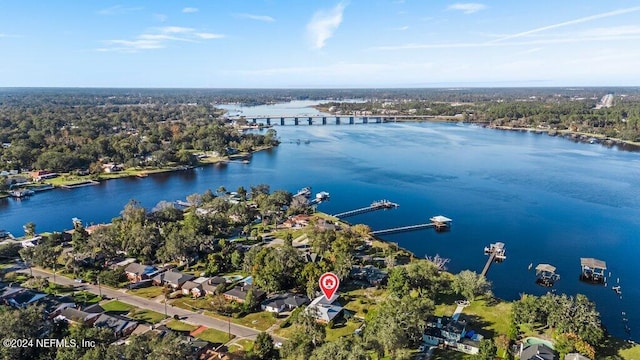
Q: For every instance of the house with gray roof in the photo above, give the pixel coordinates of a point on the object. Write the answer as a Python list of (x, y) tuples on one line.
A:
[(239, 293), (538, 352), (138, 272), (325, 310), (172, 278), (283, 302), (76, 316), (120, 326)]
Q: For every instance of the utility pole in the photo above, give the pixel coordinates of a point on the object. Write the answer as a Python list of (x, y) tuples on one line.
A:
[(99, 287), (165, 300)]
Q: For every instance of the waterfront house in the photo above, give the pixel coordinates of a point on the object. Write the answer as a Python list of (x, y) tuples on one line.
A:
[(76, 316), (239, 293), (368, 273), (297, 221), (324, 310), (283, 302), (137, 272), (452, 333), (537, 352), (42, 175), (172, 278), (120, 326)]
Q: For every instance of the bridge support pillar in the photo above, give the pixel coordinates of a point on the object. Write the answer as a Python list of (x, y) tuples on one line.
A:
[(253, 120), (268, 121), (310, 121), (365, 120), (295, 121), (282, 121), (351, 120), (324, 120)]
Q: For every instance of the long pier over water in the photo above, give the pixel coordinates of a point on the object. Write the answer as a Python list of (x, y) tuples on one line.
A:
[(440, 223), (376, 205)]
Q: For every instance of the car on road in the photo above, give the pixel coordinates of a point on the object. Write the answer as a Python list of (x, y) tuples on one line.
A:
[(277, 345), (78, 280)]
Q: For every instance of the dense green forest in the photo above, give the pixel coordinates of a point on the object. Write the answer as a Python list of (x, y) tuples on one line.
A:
[(547, 109), (67, 131)]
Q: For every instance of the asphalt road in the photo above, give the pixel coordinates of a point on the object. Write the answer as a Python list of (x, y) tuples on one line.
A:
[(144, 303)]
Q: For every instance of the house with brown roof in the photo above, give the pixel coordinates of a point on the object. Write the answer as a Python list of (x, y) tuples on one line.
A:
[(137, 272)]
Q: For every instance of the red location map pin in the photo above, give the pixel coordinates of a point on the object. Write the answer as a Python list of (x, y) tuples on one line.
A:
[(329, 283)]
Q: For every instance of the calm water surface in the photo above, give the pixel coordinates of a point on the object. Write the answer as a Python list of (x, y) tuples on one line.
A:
[(550, 200)]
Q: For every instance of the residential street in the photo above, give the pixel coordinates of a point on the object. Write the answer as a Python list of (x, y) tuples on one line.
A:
[(143, 303)]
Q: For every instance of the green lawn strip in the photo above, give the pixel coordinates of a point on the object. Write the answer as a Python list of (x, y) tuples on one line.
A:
[(361, 301), (344, 329), (144, 315), (147, 292), (85, 297), (632, 353), (241, 345), (214, 336), (259, 321), (203, 303), (178, 325), (117, 306)]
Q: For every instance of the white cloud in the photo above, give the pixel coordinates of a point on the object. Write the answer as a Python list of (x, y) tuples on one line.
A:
[(467, 8), (402, 28), (158, 38), (190, 10), (570, 22), (323, 24), (265, 18), (175, 30), (118, 9), (207, 36)]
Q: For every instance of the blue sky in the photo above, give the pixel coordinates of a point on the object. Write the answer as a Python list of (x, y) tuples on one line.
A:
[(356, 43)]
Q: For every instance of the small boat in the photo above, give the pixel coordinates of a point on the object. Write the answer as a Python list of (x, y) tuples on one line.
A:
[(245, 161), (617, 289), (322, 195), (21, 193)]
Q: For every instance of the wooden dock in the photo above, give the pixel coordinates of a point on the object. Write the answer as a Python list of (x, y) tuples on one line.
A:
[(496, 252), (376, 205), (440, 223)]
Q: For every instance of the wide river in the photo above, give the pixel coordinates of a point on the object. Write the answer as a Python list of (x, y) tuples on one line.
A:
[(549, 199)]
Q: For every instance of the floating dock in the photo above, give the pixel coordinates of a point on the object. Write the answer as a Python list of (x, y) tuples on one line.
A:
[(593, 270), (376, 205), (546, 275), (496, 252), (440, 223)]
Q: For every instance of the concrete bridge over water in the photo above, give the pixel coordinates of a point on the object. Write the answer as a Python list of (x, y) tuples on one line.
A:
[(327, 119)]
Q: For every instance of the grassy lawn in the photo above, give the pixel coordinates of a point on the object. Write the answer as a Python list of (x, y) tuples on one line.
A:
[(488, 319), (621, 348), (214, 336), (117, 306), (148, 316), (630, 353), (148, 292), (241, 345), (440, 354), (342, 330), (178, 325), (362, 301), (259, 321), (188, 303), (86, 297)]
